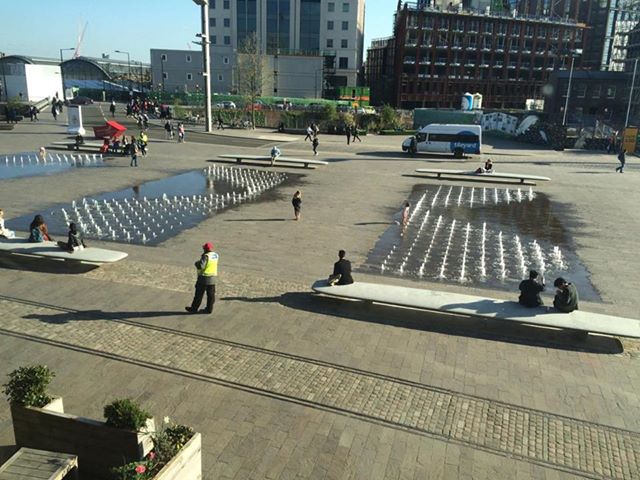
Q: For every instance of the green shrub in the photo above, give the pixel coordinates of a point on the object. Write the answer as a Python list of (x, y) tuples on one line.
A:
[(126, 414), (27, 386), (170, 440)]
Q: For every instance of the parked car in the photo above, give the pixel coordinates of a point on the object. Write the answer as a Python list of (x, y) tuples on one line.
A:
[(366, 111), (79, 101), (226, 105)]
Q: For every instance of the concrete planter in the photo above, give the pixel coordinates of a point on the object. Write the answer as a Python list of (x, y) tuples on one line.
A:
[(186, 465), (99, 447)]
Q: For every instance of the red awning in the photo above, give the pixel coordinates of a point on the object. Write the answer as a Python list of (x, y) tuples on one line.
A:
[(111, 129)]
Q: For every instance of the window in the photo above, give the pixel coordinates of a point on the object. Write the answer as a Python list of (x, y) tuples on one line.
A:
[(345, 25), (220, 78), (596, 91), (189, 76), (225, 60), (163, 57), (225, 4), (227, 22), (165, 75), (212, 3), (212, 21), (332, 6), (212, 39), (344, 43), (446, 137), (188, 58), (330, 25), (581, 90), (227, 40), (611, 92), (345, 8), (343, 62), (329, 43)]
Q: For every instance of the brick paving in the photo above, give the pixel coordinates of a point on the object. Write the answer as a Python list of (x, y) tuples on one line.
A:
[(586, 448)]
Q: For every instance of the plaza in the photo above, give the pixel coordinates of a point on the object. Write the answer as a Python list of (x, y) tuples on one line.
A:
[(284, 384)]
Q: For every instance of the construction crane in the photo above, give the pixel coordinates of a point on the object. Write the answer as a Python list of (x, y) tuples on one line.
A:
[(76, 54)]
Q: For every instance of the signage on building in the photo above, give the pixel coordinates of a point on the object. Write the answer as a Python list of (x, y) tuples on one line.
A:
[(630, 139)]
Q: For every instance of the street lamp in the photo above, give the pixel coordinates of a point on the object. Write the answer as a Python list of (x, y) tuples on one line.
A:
[(566, 103), (128, 64), (206, 60), (633, 84)]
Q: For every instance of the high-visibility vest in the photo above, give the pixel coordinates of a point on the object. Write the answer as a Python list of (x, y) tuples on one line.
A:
[(211, 268)]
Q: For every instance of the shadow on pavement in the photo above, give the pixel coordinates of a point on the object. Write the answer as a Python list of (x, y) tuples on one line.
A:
[(43, 265), (470, 179)]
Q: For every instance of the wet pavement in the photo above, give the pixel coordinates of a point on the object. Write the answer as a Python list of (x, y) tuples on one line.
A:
[(28, 164)]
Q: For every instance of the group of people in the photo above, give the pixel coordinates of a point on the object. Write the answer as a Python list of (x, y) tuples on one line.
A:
[(312, 134), (169, 131), (351, 131), (565, 300), (38, 233)]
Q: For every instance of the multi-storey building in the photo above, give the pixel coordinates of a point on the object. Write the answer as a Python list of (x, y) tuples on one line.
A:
[(441, 52), (332, 30), (177, 70)]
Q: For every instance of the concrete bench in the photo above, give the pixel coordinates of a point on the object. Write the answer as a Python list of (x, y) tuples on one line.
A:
[(267, 158), (483, 176), (51, 250), (71, 145), (32, 464), (472, 306)]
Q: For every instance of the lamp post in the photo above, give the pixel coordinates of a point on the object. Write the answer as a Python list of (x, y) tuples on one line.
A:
[(206, 60), (64, 95), (566, 103), (128, 64), (633, 84)]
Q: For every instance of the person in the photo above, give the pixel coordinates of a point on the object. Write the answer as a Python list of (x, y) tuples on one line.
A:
[(354, 134), (115, 145), (275, 153), (207, 267), (35, 111), (38, 230), (5, 232), (220, 122), (75, 240), (315, 128), (488, 166), (315, 144), (622, 160), (144, 140), (133, 149), (530, 290), (180, 133), (42, 153), (112, 108), (54, 111), (309, 133), (168, 130), (566, 299), (413, 145), (79, 141), (347, 131), (405, 214), (105, 145), (341, 271), (296, 201)]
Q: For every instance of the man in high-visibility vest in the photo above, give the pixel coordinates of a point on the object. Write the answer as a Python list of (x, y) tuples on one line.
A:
[(207, 268)]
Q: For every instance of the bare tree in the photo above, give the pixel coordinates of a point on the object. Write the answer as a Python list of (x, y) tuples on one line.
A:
[(252, 72)]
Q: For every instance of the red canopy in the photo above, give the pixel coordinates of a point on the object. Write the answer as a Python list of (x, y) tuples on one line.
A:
[(111, 129)]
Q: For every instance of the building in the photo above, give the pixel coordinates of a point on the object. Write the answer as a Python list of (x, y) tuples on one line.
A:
[(442, 51), (379, 70), (176, 70), (96, 75), (331, 31), (30, 79), (595, 96)]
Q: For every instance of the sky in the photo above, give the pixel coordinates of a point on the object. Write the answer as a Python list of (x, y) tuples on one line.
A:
[(36, 28)]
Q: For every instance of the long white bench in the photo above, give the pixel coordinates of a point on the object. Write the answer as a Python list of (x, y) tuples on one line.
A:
[(473, 306), (483, 176), (267, 158), (51, 250)]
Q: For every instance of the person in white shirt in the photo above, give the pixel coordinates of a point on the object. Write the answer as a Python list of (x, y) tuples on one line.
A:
[(5, 232)]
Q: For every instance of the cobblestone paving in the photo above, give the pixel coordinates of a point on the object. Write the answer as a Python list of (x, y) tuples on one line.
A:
[(575, 446)]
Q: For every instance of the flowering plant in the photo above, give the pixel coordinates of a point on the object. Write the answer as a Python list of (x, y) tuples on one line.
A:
[(141, 470)]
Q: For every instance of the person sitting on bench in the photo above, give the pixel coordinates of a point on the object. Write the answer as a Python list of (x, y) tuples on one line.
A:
[(530, 290), (5, 232), (75, 240), (341, 271), (566, 299), (488, 166), (38, 230)]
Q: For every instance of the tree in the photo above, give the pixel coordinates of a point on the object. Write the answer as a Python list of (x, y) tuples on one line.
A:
[(251, 71)]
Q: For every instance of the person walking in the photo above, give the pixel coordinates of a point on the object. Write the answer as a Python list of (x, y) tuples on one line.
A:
[(315, 144), (207, 267), (168, 130), (309, 133), (622, 159), (144, 140), (180, 132), (112, 108), (354, 134), (220, 122), (54, 111), (133, 149), (296, 201), (347, 131)]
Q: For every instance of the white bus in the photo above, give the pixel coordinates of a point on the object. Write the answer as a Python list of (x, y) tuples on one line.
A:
[(444, 138)]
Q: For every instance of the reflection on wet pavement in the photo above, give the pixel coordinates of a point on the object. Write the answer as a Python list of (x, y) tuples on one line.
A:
[(30, 164)]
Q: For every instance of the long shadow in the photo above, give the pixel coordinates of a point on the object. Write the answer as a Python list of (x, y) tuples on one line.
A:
[(445, 323), (405, 156), (471, 179), (92, 315), (43, 265), (259, 220), (260, 164), (373, 223)]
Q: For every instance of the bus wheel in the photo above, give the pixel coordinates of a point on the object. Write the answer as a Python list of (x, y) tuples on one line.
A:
[(458, 152)]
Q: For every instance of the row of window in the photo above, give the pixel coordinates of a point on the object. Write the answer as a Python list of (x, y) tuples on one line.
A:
[(344, 43), (189, 76), (214, 39), (163, 57), (225, 21), (332, 7), (225, 4), (330, 25)]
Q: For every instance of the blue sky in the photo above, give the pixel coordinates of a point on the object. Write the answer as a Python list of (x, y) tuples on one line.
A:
[(43, 27)]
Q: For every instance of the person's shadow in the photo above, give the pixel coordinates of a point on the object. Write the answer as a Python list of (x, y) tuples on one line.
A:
[(89, 315)]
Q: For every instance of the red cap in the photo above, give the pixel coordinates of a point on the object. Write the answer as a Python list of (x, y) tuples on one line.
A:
[(208, 246)]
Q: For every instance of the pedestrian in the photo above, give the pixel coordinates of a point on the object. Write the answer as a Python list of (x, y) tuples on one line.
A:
[(296, 201), (35, 113), (207, 267), (309, 133), (144, 140), (405, 214), (180, 133), (347, 130), (42, 153), (341, 271), (220, 122), (315, 144), (31, 112), (275, 153), (168, 130), (112, 108), (315, 128), (54, 111), (566, 299), (622, 159), (133, 149), (354, 134)]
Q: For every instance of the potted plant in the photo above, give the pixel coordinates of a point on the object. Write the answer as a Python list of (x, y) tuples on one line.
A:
[(126, 414)]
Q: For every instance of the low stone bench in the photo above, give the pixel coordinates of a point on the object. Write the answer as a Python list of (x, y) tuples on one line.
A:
[(32, 464), (483, 176), (267, 158), (472, 306), (51, 250), (71, 145)]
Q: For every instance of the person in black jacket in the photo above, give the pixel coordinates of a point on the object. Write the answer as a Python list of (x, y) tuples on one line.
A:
[(530, 290), (566, 299), (341, 271)]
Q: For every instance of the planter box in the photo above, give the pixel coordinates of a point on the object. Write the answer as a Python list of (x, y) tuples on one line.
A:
[(98, 446), (186, 465)]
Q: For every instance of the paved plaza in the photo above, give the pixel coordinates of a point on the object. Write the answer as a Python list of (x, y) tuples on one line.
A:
[(284, 384)]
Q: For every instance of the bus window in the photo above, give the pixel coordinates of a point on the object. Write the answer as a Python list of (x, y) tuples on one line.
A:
[(421, 137)]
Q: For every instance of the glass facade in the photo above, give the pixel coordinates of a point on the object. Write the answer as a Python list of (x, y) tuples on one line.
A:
[(246, 16), (278, 21), (310, 25)]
